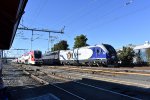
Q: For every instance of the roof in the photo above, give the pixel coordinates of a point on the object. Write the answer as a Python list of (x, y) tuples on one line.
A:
[(142, 46), (10, 15)]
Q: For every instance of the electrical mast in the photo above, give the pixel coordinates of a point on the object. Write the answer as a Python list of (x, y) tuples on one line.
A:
[(41, 30)]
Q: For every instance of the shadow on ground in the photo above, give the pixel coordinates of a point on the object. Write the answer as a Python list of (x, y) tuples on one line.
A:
[(31, 91)]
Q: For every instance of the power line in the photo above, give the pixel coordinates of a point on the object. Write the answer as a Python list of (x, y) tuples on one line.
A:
[(83, 12), (10, 52), (81, 9), (122, 16), (18, 49), (96, 8), (102, 5), (40, 30), (88, 25), (39, 10)]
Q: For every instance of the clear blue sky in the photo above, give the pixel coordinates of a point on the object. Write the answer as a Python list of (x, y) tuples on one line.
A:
[(116, 22)]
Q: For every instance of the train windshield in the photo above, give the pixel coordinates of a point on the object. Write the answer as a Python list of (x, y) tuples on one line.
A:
[(37, 54), (110, 49)]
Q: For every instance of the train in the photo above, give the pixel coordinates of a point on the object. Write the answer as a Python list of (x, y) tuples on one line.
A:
[(99, 55), (33, 57)]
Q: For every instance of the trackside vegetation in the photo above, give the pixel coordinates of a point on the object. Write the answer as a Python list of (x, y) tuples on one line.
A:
[(62, 45), (125, 56)]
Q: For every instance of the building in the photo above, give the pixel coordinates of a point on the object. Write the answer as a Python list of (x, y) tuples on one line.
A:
[(142, 52)]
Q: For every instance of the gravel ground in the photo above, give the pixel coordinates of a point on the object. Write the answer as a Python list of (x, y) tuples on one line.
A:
[(22, 87), (130, 69), (13, 76), (51, 80), (139, 79), (21, 79), (136, 79), (132, 90)]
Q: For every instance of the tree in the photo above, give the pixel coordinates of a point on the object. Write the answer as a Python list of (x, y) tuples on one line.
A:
[(62, 45), (80, 41), (126, 56)]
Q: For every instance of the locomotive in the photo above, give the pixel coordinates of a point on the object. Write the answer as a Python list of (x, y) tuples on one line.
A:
[(103, 54)]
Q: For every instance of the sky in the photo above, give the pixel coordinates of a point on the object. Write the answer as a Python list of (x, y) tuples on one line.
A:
[(115, 22)]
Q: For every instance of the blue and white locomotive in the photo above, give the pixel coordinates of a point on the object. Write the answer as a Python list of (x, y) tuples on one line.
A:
[(103, 54)]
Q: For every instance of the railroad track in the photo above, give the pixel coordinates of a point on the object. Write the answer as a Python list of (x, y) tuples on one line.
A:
[(121, 78), (82, 84), (32, 74), (128, 78), (105, 71), (99, 71)]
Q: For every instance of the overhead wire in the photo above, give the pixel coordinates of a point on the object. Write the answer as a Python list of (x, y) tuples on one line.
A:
[(91, 11), (74, 13), (88, 25), (80, 15), (38, 12), (83, 8), (110, 12), (122, 16)]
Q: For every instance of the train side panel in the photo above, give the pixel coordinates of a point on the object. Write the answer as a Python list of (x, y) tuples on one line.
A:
[(51, 58), (66, 56), (75, 56), (82, 55)]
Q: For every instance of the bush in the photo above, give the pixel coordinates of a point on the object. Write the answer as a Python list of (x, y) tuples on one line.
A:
[(126, 56)]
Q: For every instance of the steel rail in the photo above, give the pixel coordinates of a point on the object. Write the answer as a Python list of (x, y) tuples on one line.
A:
[(47, 83)]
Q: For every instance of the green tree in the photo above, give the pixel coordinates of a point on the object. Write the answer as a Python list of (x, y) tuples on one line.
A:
[(80, 41), (62, 45), (126, 56)]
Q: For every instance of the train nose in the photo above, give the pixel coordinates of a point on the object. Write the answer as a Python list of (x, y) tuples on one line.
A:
[(113, 57)]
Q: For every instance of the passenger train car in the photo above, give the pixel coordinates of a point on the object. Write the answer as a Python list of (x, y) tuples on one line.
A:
[(103, 54), (32, 57)]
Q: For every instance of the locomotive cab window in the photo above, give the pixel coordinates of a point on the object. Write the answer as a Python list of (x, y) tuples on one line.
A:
[(98, 51), (37, 54), (94, 50), (101, 50)]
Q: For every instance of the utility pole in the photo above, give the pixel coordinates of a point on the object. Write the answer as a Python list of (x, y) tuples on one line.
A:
[(52, 38), (41, 30), (31, 39), (48, 41)]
